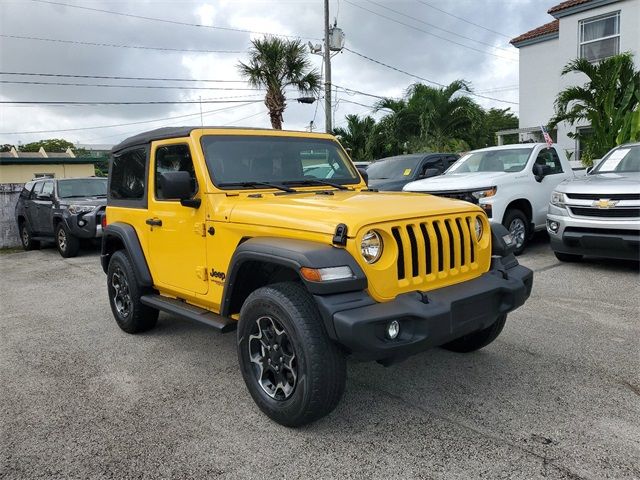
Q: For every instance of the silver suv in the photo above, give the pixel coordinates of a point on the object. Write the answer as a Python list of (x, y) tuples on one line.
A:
[(599, 214)]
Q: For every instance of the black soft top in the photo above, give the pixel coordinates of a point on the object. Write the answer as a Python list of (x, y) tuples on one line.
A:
[(167, 132)]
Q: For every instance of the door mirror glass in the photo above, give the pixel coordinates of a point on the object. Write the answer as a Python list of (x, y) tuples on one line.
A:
[(44, 196), (540, 171), (175, 185)]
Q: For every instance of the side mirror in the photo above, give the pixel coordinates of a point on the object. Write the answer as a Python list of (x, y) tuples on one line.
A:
[(430, 172), (45, 196), (363, 173), (178, 185), (539, 172)]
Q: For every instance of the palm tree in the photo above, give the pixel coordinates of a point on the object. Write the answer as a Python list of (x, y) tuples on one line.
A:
[(608, 102), (356, 135), (275, 64)]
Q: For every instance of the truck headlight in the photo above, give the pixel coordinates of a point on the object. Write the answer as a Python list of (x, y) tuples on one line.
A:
[(371, 246), (80, 208), (557, 199), (488, 192), (479, 228)]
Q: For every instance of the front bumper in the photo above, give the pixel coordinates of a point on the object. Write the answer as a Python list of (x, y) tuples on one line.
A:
[(610, 238), (85, 225), (426, 319)]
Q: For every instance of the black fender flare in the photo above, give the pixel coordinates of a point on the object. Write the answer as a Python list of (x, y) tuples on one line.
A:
[(127, 236), (294, 254)]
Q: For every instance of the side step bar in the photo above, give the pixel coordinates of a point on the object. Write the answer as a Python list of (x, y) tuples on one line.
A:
[(190, 312)]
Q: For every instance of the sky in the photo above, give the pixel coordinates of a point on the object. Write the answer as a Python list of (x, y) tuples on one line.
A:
[(436, 40)]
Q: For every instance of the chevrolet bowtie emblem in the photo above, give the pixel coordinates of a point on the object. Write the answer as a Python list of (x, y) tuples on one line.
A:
[(605, 203)]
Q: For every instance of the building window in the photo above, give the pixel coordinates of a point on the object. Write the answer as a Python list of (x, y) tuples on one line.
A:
[(44, 175), (600, 37)]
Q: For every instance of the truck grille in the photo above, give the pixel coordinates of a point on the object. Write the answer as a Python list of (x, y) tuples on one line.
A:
[(606, 212), (440, 247), (610, 196)]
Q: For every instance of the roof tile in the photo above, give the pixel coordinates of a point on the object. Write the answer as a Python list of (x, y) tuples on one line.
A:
[(545, 29), (566, 4)]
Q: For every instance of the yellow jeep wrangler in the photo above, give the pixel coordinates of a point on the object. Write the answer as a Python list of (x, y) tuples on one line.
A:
[(276, 234)]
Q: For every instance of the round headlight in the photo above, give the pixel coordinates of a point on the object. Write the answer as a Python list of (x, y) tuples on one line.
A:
[(371, 246), (479, 228)]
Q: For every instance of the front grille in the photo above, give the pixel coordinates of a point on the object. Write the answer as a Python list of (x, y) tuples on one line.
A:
[(441, 247), (610, 196), (606, 212)]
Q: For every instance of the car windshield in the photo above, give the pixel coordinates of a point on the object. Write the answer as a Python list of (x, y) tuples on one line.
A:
[(393, 167), (620, 160), (82, 187), (509, 160), (253, 160)]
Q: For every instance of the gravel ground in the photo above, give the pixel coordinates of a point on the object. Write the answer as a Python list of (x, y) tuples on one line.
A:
[(556, 396)]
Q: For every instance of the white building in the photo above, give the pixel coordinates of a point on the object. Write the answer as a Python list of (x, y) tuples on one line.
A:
[(594, 29)]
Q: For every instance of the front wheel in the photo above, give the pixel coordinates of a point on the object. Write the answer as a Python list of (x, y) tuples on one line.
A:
[(477, 340), (68, 244), (516, 222), (292, 369)]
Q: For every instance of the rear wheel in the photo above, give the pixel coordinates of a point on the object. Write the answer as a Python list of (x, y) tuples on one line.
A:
[(567, 257), (477, 340), (124, 296), (292, 369), (28, 243), (68, 244), (518, 225)]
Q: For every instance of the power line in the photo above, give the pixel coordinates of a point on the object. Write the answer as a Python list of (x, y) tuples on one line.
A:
[(438, 28), (423, 31), (105, 85), (159, 102), (464, 19), (165, 20), (114, 77), (124, 124), (95, 44), (424, 79)]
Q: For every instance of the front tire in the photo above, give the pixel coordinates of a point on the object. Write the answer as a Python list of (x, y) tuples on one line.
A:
[(567, 257), (68, 244), (477, 340), (518, 225), (124, 296), (292, 369), (28, 243)]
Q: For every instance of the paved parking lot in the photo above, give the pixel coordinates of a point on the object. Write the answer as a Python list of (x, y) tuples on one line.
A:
[(556, 396)]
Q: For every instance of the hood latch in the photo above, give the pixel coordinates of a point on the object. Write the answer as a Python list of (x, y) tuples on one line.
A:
[(340, 236)]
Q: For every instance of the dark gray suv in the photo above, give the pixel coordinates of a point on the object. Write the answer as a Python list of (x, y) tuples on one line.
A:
[(63, 210)]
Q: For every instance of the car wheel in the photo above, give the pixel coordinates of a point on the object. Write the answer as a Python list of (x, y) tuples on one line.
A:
[(567, 257), (518, 225), (477, 340), (68, 244), (124, 296), (28, 243), (292, 369)]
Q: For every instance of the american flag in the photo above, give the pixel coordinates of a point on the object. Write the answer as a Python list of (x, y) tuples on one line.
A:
[(547, 137)]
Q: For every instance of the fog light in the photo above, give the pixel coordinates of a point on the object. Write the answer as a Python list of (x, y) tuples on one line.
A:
[(553, 226), (82, 223), (393, 329)]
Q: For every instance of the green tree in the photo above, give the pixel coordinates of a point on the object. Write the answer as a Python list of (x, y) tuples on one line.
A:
[(489, 122), (608, 102), (6, 147), (275, 64), (55, 145), (356, 135)]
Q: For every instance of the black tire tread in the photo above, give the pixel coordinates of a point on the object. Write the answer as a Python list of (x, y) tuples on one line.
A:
[(33, 244), (73, 242), (509, 215)]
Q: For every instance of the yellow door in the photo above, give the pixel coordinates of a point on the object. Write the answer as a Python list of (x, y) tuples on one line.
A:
[(177, 242)]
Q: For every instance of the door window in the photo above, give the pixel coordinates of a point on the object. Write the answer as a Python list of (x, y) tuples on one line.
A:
[(47, 189), (36, 190), (128, 178), (550, 161), (174, 158)]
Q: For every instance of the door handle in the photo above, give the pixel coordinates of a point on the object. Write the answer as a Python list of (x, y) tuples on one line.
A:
[(154, 222)]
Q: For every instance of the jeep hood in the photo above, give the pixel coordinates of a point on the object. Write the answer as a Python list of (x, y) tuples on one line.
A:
[(322, 212), (460, 181)]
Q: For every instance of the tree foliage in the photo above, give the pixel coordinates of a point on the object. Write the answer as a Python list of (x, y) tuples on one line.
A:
[(609, 102), (54, 145), (275, 64)]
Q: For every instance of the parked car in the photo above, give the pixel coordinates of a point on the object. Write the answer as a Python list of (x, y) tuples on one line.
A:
[(599, 215), (393, 173), (236, 235), (512, 184), (63, 210)]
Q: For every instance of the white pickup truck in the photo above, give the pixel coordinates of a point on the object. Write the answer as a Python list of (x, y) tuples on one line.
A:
[(512, 183)]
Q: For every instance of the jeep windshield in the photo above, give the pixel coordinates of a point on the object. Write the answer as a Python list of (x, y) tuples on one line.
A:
[(82, 187), (236, 161), (507, 160), (621, 160)]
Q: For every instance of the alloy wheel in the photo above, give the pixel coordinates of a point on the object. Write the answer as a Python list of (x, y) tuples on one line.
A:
[(121, 295), (25, 237), (62, 239), (518, 230), (274, 360)]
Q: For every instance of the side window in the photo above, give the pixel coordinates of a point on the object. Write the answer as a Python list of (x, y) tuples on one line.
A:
[(550, 161), (451, 160), (173, 158), (128, 176), (47, 189), (36, 190), (26, 190)]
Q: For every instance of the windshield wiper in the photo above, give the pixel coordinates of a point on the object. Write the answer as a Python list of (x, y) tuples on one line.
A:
[(257, 185), (317, 182), (78, 196)]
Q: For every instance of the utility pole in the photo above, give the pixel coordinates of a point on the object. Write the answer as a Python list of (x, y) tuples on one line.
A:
[(327, 71)]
